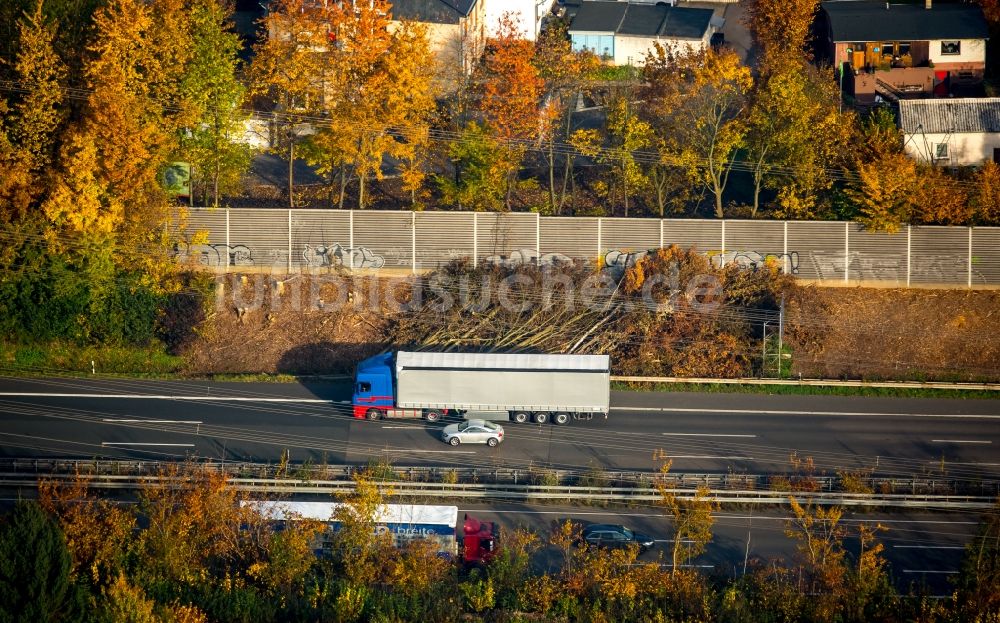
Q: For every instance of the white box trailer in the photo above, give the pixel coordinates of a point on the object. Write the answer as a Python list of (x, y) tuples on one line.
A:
[(515, 386)]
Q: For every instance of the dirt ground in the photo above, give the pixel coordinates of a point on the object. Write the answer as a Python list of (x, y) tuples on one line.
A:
[(895, 334), (306, 327)]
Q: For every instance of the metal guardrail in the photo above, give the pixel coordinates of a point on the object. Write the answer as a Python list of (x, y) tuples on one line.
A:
[(524, 485), (811, 383), (531, 493)]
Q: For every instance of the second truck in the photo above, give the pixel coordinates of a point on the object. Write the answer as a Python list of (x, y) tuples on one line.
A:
[(515, 387)]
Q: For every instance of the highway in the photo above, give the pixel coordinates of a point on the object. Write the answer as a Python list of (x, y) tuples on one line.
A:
[(699, 433), (923, 550), (720, 433)]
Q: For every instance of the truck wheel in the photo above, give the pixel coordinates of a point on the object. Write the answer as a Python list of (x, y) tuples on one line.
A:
[(541, 417), (454, 441), (521, 417), (433, 416), (492, 442), (374, 414), (560, 418)]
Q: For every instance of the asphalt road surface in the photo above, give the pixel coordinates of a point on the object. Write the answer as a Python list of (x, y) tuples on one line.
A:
[(924, 551), (699, 433), (84, 418)]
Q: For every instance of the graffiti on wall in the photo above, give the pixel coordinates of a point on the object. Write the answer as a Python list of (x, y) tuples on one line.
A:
[(753, 260), (214, 254), (324, 256), (528, 257)]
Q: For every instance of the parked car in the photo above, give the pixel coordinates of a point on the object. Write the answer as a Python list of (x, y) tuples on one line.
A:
[(612, 536), (473, 431)]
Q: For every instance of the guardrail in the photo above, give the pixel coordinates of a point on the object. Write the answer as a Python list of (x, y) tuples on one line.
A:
[(811, 382), (530, 493), (531, 484)]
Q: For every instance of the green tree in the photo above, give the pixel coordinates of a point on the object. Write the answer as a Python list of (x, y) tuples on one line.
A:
[(34, 566), (478, 183), (216, 95)]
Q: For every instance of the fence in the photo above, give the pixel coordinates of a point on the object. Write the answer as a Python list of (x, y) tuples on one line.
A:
[(829, 252)]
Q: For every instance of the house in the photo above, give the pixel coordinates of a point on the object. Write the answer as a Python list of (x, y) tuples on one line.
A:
[(624, 32), (899, 51), (456, 29), (527, 14), (952, 131)]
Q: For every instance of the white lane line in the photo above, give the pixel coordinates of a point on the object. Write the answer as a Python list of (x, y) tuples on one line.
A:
[(130, 443), (960, 441), (132, 421), (166, 397), (929, 571), (704, 435), (960, 463), (434, 451), (785, 412), (928, 547), (700, 456), (406, 427)]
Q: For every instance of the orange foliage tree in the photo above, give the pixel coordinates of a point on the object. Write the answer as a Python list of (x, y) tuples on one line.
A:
[(511, 92)]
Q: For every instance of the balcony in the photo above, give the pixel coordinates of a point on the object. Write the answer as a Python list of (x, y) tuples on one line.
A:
[(893, 83)]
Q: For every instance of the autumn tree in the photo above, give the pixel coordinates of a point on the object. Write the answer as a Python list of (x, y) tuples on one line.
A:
[(627, 134), (977, 594), (696, 101), (511, 90), (567, 76), (378, 96), (883, 192), (796, 139), (820, 542), (288, 67), (359, 550), (215, 96), (939, 198), (36, 117), (985, 196), (780, 31), (692, 519)]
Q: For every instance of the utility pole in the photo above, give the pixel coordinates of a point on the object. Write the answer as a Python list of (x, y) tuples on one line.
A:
[(781, 333), (763, 353)]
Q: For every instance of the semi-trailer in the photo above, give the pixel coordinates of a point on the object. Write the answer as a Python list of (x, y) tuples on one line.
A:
[(475, 542), (497, 386)]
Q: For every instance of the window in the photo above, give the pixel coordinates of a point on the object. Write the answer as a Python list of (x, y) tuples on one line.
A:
[(951, 48), (941, 151), (364, 388), (904, 48), (602, 45)]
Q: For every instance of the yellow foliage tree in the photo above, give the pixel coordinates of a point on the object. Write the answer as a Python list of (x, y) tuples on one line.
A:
[(985, 197), (289, 67), (696, 103), (780, 30), (883, 192)]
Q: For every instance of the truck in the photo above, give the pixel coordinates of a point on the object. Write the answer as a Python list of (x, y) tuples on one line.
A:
[(477, 542), (491, 386)]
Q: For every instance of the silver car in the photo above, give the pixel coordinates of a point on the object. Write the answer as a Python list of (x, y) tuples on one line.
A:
[(473, 431)]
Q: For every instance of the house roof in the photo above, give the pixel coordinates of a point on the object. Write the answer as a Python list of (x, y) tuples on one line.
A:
[(868, 20), (432, 11), (641, 20), (944, 116)]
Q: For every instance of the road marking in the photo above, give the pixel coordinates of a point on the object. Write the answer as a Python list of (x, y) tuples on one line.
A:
[(434, 451), (960, 441), (166, 397), (704, 435), (700, 456), (938, 462), (782, 412), (406, 427), (929, 571), (928, 547), (130, 443), (124, 421)]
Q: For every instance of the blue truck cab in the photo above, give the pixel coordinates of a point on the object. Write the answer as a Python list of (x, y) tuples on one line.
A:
[(373, 386)]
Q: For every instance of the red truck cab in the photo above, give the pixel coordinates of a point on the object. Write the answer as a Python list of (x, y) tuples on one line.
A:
[(479, 540)]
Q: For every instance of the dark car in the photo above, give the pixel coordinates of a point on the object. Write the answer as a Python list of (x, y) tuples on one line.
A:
[(612, 536)]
